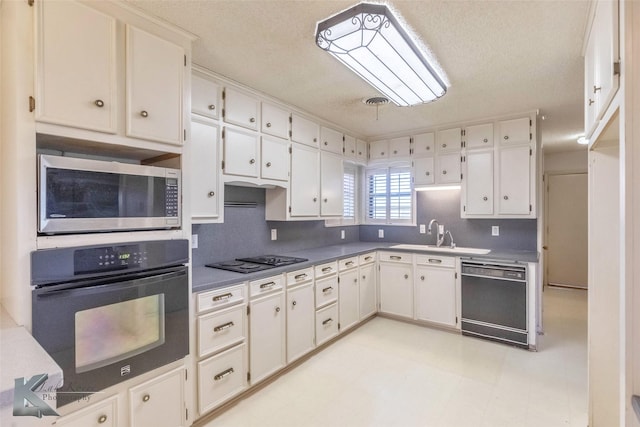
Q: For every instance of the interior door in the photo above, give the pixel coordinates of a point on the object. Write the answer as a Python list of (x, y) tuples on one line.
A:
[(567, 230)]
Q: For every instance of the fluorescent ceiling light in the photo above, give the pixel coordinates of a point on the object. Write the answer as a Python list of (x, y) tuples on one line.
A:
[(372, 43)]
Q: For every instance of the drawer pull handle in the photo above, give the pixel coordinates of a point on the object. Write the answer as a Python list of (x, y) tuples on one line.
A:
[(222, 297), (349, 263), (223, 374), (395, 257), (368, 258), (435, 261), (328, 321), (327, 289), (146, 398), (300, 276), (267, 285), (102, 419), (223, 327), (327, 269)]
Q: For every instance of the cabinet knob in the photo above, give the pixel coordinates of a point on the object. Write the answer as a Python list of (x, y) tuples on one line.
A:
[(277, 309), (252, 161), (382, 154), (406, 276), (506, 197), (102, 419), (444, 145), (353, 151), (506, 137), (212, 107), (326, 200), (99, 103), (359, 153), (326, 143), (364, 277), (268, 124), (315, 199), (444, 172), (294, 303), (146, 398), (596, 89), (252, 120), (395, 151), (422, 278), (268, 164), (485, 198), (211, 193), (143, 113), (427, 173), (428, 147), (315, 139), (355, 280), (485, 140)]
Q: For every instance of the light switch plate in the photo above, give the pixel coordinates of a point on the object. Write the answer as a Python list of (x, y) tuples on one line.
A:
[(194, 241), (274, 234), (342, 234), (381, 234), (495, 230), (423, 228)]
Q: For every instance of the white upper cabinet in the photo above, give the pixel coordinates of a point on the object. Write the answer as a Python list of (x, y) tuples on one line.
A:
[(305, 181), (514, 185), (275, 120), (331, 184), (379, 150), (424, 144), (516, 131), (478, 136), (155, 74), (240, 108), (350, 147), (204, 167), (275, 159), (304, 131), (241, 150), (448, 169), (331, 140), (362, 154), (76, 67), (478, 183), (423, 171), (448, 140), (400, 147), (205, 97)]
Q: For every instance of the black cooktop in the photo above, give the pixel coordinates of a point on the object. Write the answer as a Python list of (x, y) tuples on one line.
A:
[(259, 263)]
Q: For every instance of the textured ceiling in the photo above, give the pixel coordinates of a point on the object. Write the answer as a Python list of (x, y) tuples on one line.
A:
[(500, 57)]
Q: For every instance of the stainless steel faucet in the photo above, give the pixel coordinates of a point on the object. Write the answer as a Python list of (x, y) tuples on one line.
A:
[(452, 245), (439, 236)]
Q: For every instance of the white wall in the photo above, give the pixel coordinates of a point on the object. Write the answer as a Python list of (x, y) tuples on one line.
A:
[(570, 161)]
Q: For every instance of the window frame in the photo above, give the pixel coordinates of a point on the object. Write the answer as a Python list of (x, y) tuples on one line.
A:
[(388, 169), (356, 171)]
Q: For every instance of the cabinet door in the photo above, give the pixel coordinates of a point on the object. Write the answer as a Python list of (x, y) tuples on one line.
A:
[(326, 323), (221, 377), (305, 181), (478, 183), (275, 159), (267, 336), (362, 147), (204, 161), (448, 169), (423, 169), (304, 131), (605, 31), (159, 402), (517, 131), (301, 330), (350, 147), (331, 140), (514, 196), (368, 300), (241, 153), (379, 150), (221, 329), (205, 96), (396, 289), (349, 312), (436, 295), (101, 414), (240, 109), (590, 106), (76, 62), (400, 147), (331, 187), (424, 144), (479, 136), (275, 121), (448, 140), (155, 69)]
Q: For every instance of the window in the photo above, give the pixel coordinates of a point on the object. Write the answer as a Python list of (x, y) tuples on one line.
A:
[(350, 198), (389, 196)]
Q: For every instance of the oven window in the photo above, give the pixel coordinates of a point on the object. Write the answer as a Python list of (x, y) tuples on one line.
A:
[(108, 334)]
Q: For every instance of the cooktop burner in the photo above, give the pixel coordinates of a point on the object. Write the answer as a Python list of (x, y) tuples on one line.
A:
[(259, 263)]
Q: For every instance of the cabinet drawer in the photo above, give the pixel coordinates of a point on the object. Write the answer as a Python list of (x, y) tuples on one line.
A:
[(326, 269), (220, 298), (396, 257), (221, 329), (221, 377), (367, 258), (326, 291), (265, 286), (299, 276), (102, 414), (326, 323), (436, 261), (348, 263)]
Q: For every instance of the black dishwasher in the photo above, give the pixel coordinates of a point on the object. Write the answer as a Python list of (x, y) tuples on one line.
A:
[(494, 301)]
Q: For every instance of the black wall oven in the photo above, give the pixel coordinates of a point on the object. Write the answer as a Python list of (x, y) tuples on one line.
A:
[(108, 313)]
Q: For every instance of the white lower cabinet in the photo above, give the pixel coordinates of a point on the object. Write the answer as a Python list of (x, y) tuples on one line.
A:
[(300, 321), (101, 414), (326, 323), (221, 377), (348, 298), (396, 284), (267, 329), (368, 292), (436, 296), (159, 402)]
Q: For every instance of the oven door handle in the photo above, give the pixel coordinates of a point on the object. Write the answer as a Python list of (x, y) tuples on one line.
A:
[(111, 280)]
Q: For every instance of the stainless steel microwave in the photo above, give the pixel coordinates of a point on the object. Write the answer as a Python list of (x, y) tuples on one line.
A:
[(82, 196)]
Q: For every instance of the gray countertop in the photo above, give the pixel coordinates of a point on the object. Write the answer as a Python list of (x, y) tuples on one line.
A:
[(205, 278)]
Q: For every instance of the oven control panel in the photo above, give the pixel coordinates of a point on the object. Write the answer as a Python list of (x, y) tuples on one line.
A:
[(109, 258)]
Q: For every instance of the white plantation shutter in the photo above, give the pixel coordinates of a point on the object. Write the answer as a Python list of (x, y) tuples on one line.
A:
[(400, 194), (377, 195), (349, 194), (389, 196)]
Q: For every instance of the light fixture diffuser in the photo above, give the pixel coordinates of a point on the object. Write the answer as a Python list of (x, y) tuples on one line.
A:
[(371, 42)]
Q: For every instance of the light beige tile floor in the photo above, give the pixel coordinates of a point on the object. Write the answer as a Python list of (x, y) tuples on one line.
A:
[(389, 373)]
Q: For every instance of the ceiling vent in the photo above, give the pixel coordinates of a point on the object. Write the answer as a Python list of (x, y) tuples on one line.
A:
[(376, 101)]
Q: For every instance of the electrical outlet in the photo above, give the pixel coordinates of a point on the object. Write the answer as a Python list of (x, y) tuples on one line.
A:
[(194, 241), (381, 234), (495, 230), (342, 234), (274, 234), (423, 228)]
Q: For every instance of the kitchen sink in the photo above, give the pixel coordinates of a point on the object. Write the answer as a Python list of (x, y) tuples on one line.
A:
[(456, 250)]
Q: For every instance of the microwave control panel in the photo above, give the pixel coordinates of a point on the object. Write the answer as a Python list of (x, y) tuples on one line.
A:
[(171, 198), (109, 258)]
